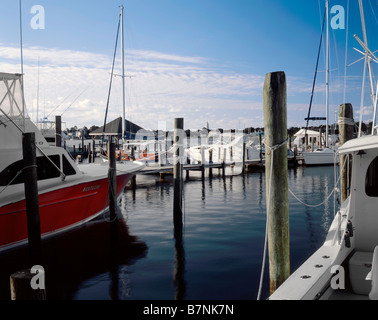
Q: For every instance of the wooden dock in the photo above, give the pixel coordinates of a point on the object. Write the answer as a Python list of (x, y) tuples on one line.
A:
[(249, 165)]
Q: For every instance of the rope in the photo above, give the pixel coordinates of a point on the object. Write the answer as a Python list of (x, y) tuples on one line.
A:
[(316, 72), (345, 121), (333, 190), (272, 149)]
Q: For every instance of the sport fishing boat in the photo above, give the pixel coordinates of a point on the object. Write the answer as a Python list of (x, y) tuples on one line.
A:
[(69, 194)]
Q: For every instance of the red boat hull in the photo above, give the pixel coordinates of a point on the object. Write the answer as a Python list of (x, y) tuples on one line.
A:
[(59, 210)]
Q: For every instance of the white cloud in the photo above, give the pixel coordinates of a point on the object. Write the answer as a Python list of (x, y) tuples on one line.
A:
[(162, 87)]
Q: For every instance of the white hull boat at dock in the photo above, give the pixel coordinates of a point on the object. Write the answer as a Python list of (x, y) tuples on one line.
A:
[(68, 195), (320, 156)]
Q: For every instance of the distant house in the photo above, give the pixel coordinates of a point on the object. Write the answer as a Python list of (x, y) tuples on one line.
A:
[(114, 128)]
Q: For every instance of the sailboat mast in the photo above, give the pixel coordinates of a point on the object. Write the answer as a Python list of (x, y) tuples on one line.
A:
[(123, 79), (327, 72)]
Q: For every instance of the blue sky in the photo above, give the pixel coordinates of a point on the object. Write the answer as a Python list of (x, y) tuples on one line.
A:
[(203, 60)]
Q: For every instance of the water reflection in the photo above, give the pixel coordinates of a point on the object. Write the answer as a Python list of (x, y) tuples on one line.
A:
[(222, 238), (76, 256)]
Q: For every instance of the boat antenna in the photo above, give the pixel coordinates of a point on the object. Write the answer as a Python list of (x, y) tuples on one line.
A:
[(123, 76), (316, 72), (22, 58), (22, 67), (111, 77)]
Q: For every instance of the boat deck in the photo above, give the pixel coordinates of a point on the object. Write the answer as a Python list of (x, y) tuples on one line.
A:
[(346, 295)]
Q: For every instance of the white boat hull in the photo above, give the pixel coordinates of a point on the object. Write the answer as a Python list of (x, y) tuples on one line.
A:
[(320, 157)]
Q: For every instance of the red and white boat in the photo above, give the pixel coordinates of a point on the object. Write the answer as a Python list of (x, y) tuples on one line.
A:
[(68, 197)]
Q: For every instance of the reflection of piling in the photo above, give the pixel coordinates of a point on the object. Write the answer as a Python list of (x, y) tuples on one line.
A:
[(346, 128), (179, 272), (112, 178), (31, 197), (177, 174), (276, 173), (112, 191)]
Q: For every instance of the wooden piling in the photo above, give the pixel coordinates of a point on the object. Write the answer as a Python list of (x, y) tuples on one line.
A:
[(346, 129), (243, 159), (93, 150), (21, 286), (276, 174), (58, 131), (112, 178), (177, 174), (260, 151), (31, 197)]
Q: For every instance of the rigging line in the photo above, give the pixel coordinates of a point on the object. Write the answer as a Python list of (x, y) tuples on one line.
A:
[(316, 71), (73, 101), (111, 76), (375, 17), (58, 105)]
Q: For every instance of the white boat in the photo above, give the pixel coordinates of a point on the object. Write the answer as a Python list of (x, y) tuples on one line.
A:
[(351, 242), (326, 155), (47, 128), (320, 156), (69, 195), (225, 149), (346, 265)]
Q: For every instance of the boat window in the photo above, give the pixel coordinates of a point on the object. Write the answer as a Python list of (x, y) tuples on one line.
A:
[(68, 170), (371, 180), (45, 170)]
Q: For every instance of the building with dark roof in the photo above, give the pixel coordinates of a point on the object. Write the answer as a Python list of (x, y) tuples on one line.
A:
[(114, 128)]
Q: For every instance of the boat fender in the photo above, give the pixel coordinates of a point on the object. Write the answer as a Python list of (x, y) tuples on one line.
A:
[(350, 228), (347, 239)]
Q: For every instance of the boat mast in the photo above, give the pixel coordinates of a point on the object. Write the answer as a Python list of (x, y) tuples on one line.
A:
[(123, 79), (368, 57), (327, 72)]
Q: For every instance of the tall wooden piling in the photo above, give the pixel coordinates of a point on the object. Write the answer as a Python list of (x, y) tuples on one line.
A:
[(31, 197), (177, 174), (21, 287), (346, 129), (276, 174)]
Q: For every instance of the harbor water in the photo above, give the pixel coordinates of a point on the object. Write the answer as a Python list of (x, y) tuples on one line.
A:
[(219, 258)]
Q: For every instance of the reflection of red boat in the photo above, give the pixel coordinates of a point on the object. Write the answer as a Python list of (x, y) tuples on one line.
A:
[(68, 265), (69, 195)]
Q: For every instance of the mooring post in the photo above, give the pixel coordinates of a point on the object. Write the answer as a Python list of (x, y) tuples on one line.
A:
[(112, 178), (346, 128), (93, 150), (31, 197), (177, 174), (306, 142), (276, 175), (58, 131), (28, 284), (261, 150), (243, 160)]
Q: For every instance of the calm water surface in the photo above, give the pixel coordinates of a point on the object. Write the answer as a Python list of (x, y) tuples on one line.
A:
[(219, 258)]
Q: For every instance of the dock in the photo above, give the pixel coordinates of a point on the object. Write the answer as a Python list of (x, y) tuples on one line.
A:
[(249, 165)]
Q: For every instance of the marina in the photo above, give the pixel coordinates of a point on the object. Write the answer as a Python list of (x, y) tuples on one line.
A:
[(279, 211), (224, 220)]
